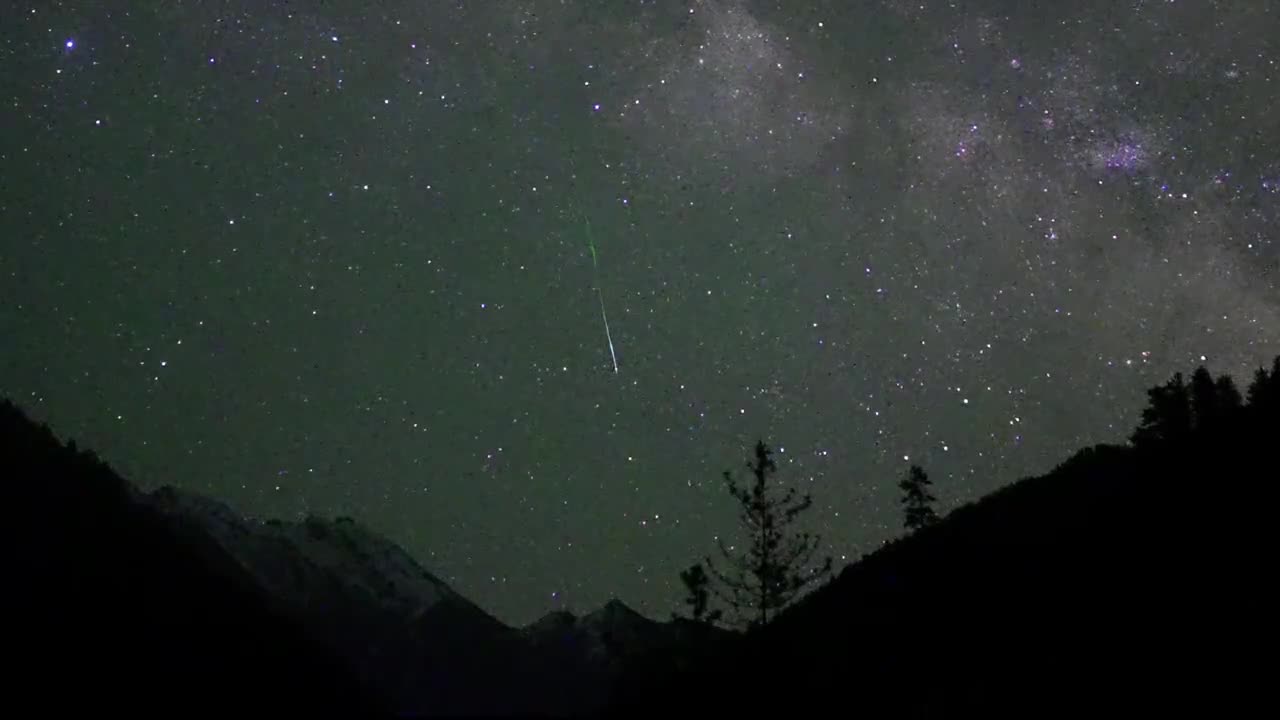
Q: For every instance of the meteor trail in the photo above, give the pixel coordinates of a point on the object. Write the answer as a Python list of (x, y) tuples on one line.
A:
[(595, 264)]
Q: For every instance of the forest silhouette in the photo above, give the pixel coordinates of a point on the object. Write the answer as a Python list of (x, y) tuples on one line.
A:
[(1130, 578)]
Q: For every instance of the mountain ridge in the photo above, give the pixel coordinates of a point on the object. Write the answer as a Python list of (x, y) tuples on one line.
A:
[(356, 616), (1127, 578), (413, 639), (314, 535), (112, 606)]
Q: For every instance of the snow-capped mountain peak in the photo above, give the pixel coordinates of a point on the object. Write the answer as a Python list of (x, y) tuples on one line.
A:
[(296, 560), (351, 551)]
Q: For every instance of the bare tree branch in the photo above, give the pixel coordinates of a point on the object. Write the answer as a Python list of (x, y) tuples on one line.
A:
[(773, 567)]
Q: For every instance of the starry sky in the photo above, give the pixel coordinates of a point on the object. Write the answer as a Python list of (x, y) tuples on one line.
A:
[(336, 257)]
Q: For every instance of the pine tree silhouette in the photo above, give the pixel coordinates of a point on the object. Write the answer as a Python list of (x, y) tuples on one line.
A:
[(1229, 399), (775, 567), (1167, 417), (1206, 411), (916, 500), (1264, 391), (1259, 388), (695, 581)]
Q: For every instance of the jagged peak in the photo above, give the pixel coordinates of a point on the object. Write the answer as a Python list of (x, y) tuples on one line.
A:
[(554, 620), (342, 547), (615, 612)]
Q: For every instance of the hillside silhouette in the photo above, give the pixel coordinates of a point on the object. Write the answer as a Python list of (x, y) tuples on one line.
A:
[(1129, 579), (119, 600), (108, 607)]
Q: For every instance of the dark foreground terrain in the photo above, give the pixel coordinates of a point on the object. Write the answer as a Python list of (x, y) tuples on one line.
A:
[(110, 608), (1129, 580)]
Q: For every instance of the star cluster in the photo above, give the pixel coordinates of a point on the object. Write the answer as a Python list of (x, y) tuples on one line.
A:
[(337, 257)]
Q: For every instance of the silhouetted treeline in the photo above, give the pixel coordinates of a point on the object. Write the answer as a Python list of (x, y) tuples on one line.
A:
[(109, 610), (1130, 580)]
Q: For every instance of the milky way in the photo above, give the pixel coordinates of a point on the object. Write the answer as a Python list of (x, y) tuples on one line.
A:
[(332, 257)]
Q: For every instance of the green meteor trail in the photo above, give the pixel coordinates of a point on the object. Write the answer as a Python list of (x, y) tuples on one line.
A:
[(595, 264)]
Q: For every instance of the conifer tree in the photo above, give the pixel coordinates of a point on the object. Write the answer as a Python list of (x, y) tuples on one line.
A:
[(1167, 417), (1229, 399), (916, 501), (1206, 411), (1264, 391), (775, 566), (1259, 388), (695, 581)]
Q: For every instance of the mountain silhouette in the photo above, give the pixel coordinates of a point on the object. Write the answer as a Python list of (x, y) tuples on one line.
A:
[(1128, 580), (109, 606), (116, 587), (413, 640)]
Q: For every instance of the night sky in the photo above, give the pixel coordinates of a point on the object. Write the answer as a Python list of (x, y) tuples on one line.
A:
[(337, 257)]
